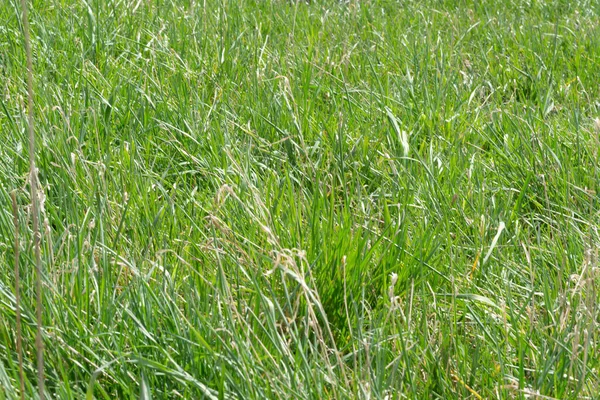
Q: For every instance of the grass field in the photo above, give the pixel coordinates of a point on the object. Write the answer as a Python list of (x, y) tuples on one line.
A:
[(255, 199)]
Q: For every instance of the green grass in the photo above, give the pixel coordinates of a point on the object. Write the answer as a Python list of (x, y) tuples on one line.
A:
[(278, 199)]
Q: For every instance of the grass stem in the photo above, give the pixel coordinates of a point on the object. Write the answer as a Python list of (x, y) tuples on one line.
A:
[(39, 343)]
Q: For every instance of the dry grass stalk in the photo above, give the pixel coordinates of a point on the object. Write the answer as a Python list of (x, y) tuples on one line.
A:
[(39, 344)]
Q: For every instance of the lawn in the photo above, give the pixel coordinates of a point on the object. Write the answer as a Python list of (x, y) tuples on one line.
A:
[(264, 199)]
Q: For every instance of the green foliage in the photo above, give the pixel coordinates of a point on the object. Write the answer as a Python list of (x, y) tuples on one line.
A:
[(289, 199)]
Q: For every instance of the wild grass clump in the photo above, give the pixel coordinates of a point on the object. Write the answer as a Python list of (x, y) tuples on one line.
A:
[(274, 199)]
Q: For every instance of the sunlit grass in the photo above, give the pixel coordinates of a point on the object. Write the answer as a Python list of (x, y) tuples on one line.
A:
[(327, 199)]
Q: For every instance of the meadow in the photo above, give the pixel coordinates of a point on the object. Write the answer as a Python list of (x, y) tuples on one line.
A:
[(264, 199)]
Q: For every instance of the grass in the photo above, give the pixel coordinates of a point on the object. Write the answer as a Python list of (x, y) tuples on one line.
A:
[(273, 199)]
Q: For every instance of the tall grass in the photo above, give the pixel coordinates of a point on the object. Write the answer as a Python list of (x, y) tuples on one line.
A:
[(18, 329), (35, 211), (273, 199)]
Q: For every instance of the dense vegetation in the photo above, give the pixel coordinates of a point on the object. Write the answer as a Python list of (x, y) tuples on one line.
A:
[(369, 199)]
